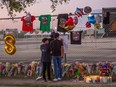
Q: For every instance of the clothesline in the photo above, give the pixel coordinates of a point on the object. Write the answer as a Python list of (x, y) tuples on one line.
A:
[(38, 16)]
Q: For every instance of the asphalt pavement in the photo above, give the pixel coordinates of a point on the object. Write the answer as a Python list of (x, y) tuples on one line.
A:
[(91, 50)]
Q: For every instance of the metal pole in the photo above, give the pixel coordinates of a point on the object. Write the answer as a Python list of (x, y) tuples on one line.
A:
[(38, 16), (95, 38), (65, 59)]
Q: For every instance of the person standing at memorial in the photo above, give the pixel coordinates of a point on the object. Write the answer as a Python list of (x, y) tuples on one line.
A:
[(46, 59), (51, 37), (57, 55)]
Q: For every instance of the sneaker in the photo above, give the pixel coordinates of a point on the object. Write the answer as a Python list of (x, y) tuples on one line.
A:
[(38, 78), (55, 80), (59, 79)]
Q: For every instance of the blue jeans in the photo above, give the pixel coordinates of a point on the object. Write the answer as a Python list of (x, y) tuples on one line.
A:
[(41, 68), (57, 61)]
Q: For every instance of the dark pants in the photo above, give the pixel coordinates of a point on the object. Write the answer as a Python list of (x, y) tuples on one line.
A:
[(46, 67)]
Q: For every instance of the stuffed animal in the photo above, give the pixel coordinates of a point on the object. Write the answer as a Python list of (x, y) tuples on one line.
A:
[(75, 20)]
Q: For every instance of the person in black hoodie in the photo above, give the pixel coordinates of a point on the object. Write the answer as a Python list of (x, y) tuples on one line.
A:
[(50, 40), (46, 58)]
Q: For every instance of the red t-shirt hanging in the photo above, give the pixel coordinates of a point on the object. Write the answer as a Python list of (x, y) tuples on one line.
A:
[(27, 25)]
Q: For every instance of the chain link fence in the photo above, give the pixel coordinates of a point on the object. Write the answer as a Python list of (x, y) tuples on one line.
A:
[(95, 46)]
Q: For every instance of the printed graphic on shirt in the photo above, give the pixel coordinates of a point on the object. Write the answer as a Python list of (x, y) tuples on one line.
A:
[(27, 23), (76, 37), (62, 22), (43, 50), (44, 20), (28, 20)]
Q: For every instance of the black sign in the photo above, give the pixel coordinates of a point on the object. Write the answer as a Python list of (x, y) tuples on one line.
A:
[(76, 37)]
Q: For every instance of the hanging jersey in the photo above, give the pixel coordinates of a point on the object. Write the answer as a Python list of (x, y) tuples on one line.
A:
[(62, 22), (27, 25), (45, 22)]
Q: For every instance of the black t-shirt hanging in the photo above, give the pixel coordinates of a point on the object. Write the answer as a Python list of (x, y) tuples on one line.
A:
[(75, 37), (61, 22)]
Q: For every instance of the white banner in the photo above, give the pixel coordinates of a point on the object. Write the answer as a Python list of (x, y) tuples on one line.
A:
[(64, 38)]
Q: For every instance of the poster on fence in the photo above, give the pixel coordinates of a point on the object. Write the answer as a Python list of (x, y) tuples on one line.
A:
[(64, 39), (75, 37)]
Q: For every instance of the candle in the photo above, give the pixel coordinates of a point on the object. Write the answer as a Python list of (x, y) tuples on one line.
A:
[(101, 79), (110, 79), (92, 78), (105, 79), (88, 79)]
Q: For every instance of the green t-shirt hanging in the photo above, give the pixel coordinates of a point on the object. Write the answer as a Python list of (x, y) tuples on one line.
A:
[(45, 22)]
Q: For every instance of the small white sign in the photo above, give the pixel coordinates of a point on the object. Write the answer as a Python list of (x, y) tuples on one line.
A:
[(64, 38)]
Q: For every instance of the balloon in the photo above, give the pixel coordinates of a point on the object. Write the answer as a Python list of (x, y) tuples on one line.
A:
[(87, 9), (10, 42), (97, 26), (91, 19), (79, 12), (88, 25), (75, 20), (69, 27), (69, 24), (69, 21)]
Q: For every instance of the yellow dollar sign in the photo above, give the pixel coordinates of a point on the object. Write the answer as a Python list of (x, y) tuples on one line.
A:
[(10, 44)]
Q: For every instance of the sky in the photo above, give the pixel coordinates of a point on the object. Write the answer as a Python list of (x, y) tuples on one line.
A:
[(43, 7)]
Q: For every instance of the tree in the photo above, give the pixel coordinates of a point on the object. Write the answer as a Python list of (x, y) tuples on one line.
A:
[(13, 6)]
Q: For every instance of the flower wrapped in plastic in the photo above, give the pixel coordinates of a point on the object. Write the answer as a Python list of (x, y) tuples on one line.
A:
[(8, 67)]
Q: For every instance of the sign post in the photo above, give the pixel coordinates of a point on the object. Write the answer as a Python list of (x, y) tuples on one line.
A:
[(64, 39)]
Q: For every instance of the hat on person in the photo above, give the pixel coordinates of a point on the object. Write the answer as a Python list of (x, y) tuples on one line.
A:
[(52, 35)]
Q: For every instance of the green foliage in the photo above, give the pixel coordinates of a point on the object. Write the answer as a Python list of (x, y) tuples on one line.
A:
[(56, 2), (13, 6)]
